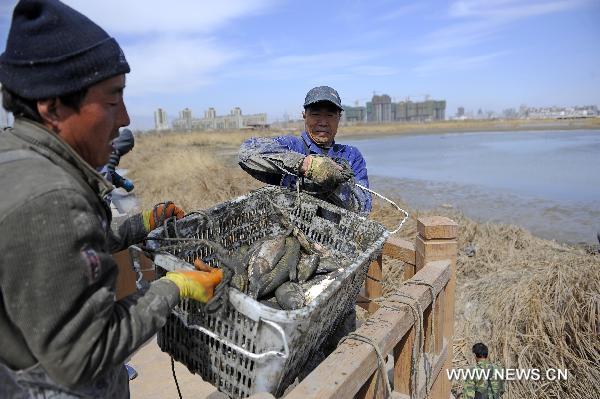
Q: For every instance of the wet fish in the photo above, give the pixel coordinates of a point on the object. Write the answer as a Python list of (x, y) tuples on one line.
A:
[(263, 261), (328, 264), (290, 296), (280, 273), (306, 267)]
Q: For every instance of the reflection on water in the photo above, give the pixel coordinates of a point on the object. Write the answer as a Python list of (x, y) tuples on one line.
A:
[(547, 182)]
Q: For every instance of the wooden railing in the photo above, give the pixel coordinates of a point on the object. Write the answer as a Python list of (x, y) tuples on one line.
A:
[(352, 370)]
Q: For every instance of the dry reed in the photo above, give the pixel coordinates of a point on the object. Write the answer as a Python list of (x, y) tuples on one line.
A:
[(534, 302)]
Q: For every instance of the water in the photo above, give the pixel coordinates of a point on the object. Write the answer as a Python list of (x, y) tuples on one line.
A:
[(545, 181)]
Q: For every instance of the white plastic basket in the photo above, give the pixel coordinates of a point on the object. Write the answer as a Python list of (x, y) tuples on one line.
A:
[(251, 347)]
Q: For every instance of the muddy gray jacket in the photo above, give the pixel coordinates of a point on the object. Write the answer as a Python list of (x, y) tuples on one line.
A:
[(63, 333)]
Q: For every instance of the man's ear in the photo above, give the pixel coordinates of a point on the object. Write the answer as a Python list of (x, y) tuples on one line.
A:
[(48, 110), (304, 114)]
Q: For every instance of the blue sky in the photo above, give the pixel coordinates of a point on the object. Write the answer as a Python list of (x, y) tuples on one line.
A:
[(264, 55)]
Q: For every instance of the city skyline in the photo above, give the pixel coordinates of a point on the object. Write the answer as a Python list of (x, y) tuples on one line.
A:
[(264, 55)]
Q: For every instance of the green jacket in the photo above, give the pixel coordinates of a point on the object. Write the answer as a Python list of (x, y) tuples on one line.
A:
[(58, 312), (484, 388)]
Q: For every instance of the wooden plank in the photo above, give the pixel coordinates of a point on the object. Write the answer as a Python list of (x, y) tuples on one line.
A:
[(372, 389), (400, 249), (427, 326), (402, 362), (436, 375), (367, 304), (345, 371), (436, 227), (373, 287), (438, 314)]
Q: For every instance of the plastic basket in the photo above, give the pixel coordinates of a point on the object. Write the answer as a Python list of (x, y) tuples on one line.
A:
[(251, 347)]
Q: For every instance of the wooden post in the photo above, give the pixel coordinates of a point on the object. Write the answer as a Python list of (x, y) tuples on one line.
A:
[(373, 287), (436, 240), (403, 361)]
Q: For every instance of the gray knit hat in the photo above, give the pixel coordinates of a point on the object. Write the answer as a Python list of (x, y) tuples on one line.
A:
[(54, 50)]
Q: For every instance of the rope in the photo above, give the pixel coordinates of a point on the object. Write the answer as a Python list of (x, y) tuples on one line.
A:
[(432, 292), (175, 377), (391, 202), (380, 359)]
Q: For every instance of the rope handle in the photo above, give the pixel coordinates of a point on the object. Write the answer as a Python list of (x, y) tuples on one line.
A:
[(391, 202)]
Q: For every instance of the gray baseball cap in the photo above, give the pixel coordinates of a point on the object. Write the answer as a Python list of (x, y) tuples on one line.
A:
[(323, 93)]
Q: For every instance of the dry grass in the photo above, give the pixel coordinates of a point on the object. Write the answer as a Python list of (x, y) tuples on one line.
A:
[(535, 303)]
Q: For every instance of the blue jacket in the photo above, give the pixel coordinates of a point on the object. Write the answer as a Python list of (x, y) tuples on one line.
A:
[(267, 160)]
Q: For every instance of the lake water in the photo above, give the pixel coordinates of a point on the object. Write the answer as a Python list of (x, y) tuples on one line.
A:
[(545, 181)]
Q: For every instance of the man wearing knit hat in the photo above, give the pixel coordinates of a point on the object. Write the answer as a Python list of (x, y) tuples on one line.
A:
[(63, 333)]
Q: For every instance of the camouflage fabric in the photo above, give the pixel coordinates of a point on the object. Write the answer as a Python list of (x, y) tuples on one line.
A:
[(482, 388), (277, 161)]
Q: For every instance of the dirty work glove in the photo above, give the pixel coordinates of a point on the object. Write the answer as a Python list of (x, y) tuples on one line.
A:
[(196, 285), (326, 172), (156, 216)]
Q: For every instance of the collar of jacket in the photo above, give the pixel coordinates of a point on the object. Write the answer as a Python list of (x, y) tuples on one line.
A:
[(52, 146), (315, 148)]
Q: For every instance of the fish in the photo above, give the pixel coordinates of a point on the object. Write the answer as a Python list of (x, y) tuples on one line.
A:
[(280, 273), (306, 267), (328, 264), (263, 260), (290, 296)]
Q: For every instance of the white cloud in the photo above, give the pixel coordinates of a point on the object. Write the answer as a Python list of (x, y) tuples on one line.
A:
[(173, 65), (401, 11), (455, 63), (339, 64), (509, 9), (171, 48), (477, 21), (152, 16)]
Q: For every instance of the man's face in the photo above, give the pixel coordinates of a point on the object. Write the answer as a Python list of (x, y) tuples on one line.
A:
[(321, 121), (90, 131)]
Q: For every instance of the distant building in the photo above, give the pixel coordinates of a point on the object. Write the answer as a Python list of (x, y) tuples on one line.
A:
[(235, 120), (460, 112), (354, 114), (381, 109), (160, 120)]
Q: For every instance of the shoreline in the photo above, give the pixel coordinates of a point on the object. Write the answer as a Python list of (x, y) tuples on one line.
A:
[(414, 129)]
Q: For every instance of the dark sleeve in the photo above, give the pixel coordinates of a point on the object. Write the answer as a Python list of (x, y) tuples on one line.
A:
[(269, 159), (58, 285), (129, 232)]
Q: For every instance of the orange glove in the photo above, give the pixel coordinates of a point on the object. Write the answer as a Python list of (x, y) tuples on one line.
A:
[(156, 216), (196, 285)]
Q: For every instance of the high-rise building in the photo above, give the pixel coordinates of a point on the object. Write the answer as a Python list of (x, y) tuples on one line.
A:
[(354, 114), (381, 109), (460, 112), (160, 120)]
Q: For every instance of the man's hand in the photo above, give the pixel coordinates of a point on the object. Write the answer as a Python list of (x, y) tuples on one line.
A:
[(156, 216), (325, 171), (196, 285)]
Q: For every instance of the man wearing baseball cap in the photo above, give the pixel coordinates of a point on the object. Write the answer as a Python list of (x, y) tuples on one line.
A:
[(326, 168), (64, 335)]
